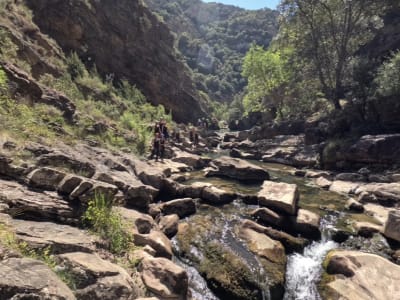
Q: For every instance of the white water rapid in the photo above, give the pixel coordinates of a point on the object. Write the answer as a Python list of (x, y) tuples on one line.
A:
[(304, 270)]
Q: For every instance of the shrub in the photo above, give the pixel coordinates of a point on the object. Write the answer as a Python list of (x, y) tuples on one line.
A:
[(107, 224), (388, 77)]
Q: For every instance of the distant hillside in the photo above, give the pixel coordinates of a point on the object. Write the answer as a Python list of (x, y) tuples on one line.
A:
[(214, 38)]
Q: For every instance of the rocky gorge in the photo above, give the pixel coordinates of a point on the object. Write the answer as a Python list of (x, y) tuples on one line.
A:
[(195, 219)]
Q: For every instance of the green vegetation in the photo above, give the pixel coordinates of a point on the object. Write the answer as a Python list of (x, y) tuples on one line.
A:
[(315, 64), (213, 39), (108, 224), (9, 240)]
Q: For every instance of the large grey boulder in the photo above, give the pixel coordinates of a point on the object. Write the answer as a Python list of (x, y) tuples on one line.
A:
[(25, 278), (358, 275), (98, 279), (217, 196), (392, 226), (182, 207), (139, 222), (156, 240), (237, 169), (282, 197), (307, 224), (164, 278)]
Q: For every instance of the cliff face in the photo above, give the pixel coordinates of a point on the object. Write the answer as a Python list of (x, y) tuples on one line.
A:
[(125, 39)]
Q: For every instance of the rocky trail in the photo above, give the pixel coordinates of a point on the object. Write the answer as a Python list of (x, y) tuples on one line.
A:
[(205, 225)]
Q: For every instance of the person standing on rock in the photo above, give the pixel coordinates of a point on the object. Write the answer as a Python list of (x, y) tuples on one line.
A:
[(156, 144)]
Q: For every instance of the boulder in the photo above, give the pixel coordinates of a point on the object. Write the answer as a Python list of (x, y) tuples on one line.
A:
[(367, 229), (354, 205), (45, 178), (25, 278), (358, 275), (45, 206), (271, 254), (378, 212), (307, 223), (237, 169), (141, 223), (169, 225), (195, 190), (278, 196), (392, 226), (192, 160), (136, 193), (385, 193), (214, 195), (353, 177), (69, 183), (157, 240), (98, 279), (89, 188), (164, 278), (289, 242), (182, 207), (59, 238), (344, 187), (268, 216), (322, 182), (375, 149)]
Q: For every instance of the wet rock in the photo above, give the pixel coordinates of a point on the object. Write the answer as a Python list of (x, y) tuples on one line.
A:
[(307, 223), (164, 278), (45, 206), (318, 174), (236, 153), (367, 229), (169, 225), (323, 182), (182, 207), (157, 240), (270, 252), (142, 223), (289, 242), (195, 190), (353, 177), (214, 195), (344, 187), (229, 275), (392, 226), (237, 169), (279, 196), (268, 216), (25, 278), (358, 275), (98, 279), (45, 178), (60, 238), (354, 205)]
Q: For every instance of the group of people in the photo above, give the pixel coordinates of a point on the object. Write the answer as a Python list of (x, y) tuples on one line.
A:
[(161, 136)]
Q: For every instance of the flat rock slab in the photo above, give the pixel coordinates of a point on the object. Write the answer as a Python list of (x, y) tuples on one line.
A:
[(359, 275), (279, 196), (45, 206), (25, 278), (344, 187), (236, 168), (60, 238), (392, 226)]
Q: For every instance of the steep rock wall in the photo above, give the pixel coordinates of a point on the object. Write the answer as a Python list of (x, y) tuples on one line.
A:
[(125, 39)]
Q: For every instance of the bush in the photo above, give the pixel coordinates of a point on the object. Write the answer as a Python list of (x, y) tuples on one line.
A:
[(108, 224), (388, 77)]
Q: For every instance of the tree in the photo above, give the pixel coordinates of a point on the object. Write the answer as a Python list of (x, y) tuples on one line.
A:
[(327, 33), (268, 77)]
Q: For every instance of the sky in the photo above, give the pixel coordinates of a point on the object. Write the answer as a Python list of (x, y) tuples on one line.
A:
[(249, 4)]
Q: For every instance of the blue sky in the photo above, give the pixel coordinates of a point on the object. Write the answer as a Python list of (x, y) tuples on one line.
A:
[(249, 4)]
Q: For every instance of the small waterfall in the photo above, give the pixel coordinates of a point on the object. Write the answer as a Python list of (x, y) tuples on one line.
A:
[(304, 270)]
